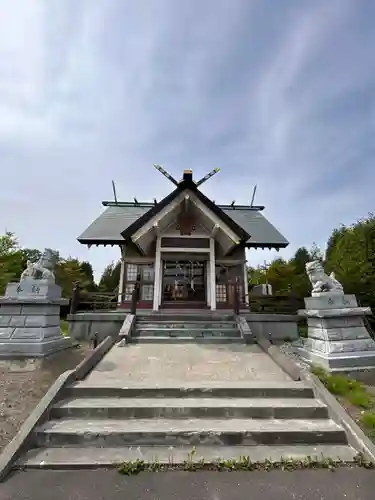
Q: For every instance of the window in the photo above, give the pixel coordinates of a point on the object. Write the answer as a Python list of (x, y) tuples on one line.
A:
[(147, 272), (131, 272), (221, 293), (147, 292), (128, 291)]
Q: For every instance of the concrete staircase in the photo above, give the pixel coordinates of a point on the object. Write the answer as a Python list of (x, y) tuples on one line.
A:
[(203, 328), (102, 424)]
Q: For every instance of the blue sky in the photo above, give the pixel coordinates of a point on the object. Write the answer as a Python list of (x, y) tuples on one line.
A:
[(276, 93)]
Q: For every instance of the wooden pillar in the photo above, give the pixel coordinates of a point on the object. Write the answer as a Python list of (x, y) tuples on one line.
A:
[(212, 275), (122, 276), (208, 282), (161, 281), (157, 275), (246, 283)]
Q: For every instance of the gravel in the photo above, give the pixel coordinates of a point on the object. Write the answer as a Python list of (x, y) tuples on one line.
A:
[(24, 383), (290, 349)]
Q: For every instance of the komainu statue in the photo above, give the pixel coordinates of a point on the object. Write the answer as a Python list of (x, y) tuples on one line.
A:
[(321, 282), (43, 269)]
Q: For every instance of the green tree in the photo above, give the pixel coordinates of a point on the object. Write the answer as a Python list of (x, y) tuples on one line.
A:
[(70, 270), (256, 275), (88, 273), (31, 255), (300, 284), (300, 259), (110, 278), (11, 260), (14, 259), (316, 253), (351, 255), (280, 276)]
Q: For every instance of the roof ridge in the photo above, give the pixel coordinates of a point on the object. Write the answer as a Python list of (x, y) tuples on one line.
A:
[(149, 204)]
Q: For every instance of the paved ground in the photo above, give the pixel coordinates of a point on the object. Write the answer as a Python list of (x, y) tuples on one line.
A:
[(343, 484), (150, 363)]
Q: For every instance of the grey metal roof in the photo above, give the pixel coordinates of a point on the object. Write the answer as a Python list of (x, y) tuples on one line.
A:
[(110, 224), (262, 232), (107, 228)]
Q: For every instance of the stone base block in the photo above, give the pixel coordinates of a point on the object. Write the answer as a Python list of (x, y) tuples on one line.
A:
[(29, 288), (20, 349), (360, 360), (340, 347), (338, 334), (331, 301), (29, 334)]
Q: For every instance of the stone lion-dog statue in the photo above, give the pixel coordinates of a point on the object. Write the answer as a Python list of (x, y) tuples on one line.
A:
[(321, 282), (43, 269)]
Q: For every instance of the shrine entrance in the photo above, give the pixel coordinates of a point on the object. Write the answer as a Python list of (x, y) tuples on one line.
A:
[(184, 283)]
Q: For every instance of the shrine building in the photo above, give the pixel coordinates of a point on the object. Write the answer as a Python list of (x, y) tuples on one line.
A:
[(187, 250)]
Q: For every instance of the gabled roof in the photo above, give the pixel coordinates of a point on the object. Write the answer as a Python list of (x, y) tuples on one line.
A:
[(120, 221), (262, 232), (182, 186), (107, 228), (117, 217)]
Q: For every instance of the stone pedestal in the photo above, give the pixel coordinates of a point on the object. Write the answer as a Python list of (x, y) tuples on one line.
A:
[(30, 319), (337, 339)]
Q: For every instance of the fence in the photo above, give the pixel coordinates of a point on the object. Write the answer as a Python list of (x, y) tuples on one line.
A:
[(91, 301), (99, 301), (368, 300), (278, 304)]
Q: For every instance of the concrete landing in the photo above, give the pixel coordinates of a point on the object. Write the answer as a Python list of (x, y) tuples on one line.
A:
[(166, 363), (344, 484)]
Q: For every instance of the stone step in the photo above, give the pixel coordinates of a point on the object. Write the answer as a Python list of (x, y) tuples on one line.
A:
[(186, 324), (199, 316), (190, 408), (92, 458), (173, 432), (152, 339), (187, 332), (119, 388)]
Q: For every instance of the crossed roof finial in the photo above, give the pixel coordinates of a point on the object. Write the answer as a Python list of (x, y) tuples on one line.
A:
[(188, 174)]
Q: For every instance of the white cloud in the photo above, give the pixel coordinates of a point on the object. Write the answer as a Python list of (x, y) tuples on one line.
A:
[(276, 95)]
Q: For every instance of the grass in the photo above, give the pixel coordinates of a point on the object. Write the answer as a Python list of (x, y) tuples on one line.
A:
[(367, 420), (192, 464), (353, 392), (340, 385), (64, 325), (302, 330), (361, 399)]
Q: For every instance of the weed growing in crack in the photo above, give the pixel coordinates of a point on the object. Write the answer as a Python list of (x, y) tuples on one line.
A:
[(243, 463)]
